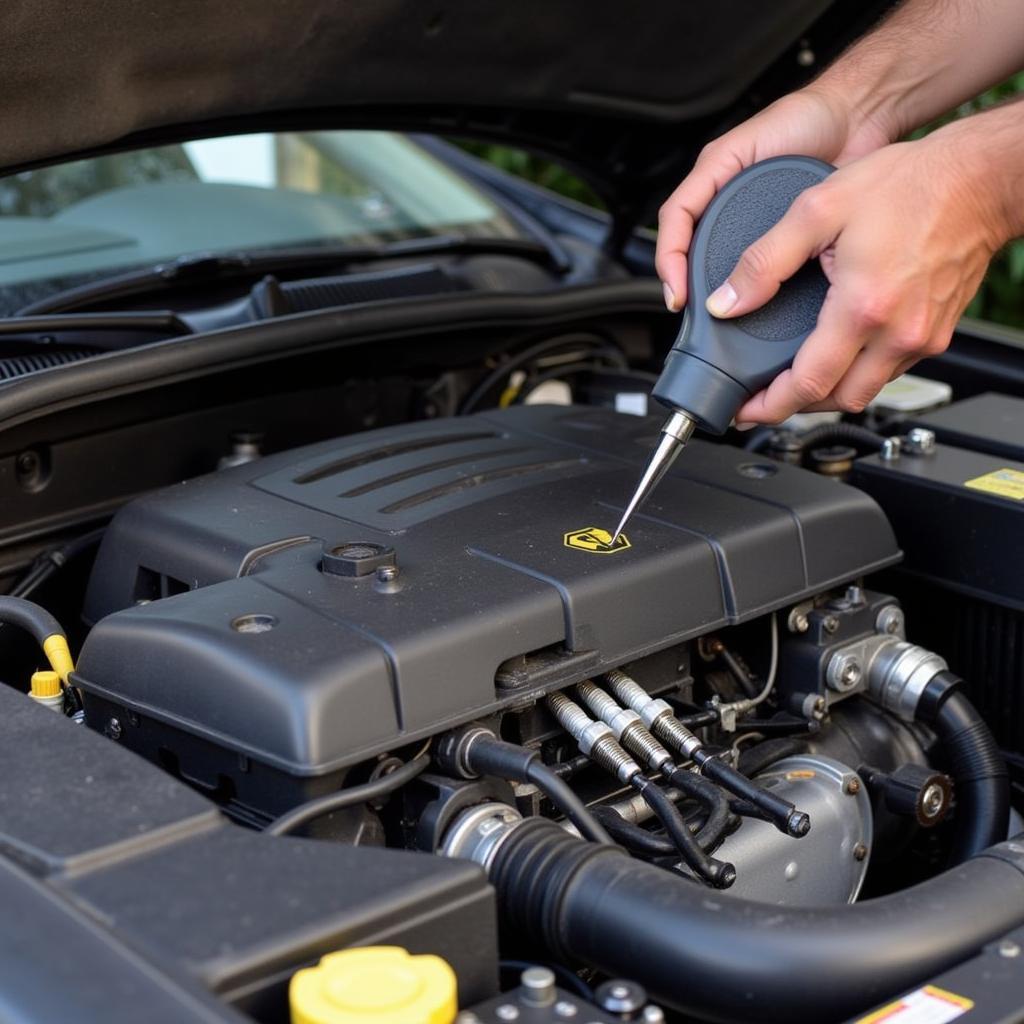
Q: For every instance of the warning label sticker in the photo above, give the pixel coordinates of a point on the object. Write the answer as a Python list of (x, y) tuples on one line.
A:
[(596, 541), (1007, 483), (928, 1005)]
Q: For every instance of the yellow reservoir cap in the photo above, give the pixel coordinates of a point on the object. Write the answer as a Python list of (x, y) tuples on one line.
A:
[(374, 985), (45, 684)]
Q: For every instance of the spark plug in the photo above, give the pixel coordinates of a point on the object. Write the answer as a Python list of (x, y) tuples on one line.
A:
[(658, 716), (627, 726), (598, 742), (595, 739)]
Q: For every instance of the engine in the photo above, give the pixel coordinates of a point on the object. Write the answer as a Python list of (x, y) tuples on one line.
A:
[(663, 752)]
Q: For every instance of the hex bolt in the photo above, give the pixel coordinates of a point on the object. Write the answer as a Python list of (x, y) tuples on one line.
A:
[(852, 786), (798, 621), (844, 672), (920, 441), (387, 573), (860, 851), (891, 448), (890, 620)]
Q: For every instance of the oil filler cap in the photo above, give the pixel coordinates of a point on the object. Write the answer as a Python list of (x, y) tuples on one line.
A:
[(374, 985), (355, 558)]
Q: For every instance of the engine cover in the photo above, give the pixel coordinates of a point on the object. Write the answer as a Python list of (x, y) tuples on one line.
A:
[(219, 626)]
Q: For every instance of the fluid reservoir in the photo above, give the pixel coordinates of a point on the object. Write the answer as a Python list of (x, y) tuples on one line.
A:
[(374, 985)]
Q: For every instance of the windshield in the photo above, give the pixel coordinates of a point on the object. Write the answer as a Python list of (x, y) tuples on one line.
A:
[(89, 219)]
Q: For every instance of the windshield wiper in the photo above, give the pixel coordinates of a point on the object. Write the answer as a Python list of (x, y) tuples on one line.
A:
[(100, 331), (201, 268)]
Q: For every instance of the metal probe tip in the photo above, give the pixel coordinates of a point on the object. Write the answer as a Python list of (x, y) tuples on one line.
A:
[(674, 435)]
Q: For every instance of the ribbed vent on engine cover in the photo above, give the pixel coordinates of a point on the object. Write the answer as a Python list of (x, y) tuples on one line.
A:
[(394, 485)]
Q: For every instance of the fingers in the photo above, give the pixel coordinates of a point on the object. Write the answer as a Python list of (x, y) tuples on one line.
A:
[(821, 363), (807, 229), (680, 212)]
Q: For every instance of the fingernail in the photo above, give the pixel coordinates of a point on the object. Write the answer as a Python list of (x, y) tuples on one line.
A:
[(745, 426), (722, 300), (670, 298)]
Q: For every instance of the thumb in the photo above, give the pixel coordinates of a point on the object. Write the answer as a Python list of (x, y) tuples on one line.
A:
[(807, 229)]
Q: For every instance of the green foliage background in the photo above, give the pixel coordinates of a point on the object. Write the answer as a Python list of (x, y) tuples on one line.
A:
[(1000, 298)]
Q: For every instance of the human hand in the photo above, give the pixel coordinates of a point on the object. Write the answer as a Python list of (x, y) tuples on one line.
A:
[(904, 235), (815, 121)]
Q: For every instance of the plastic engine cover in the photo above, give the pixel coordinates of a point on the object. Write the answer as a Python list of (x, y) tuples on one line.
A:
[(261, 652)]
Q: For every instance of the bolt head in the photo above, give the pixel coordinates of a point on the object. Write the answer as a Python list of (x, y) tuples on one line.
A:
[(920, 441), (890, 621), (830, 623), (113, 729), (387, 573), (860, 851), (506, 1011), (933, 800), (1009, 949), (852, 787)]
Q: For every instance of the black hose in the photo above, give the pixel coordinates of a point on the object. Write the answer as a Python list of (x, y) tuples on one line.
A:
[(33, 618), (780, 812), (635, 838), (720, 819), (980, 777), (485, 754), (719, 873), (556, 790), (55, 558), (755, 759), (385, 785), (730, 959), (828, 433)]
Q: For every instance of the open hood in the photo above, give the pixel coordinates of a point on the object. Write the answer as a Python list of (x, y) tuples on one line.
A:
[(623, 93)]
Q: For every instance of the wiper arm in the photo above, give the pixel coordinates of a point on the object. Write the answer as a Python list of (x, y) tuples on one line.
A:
[(200, 268), (101, 331)]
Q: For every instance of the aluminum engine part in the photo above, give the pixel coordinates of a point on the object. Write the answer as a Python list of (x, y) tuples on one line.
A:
[(828, 865)]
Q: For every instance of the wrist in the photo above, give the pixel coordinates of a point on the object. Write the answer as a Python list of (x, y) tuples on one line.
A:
[(867, 93), (985, 154)]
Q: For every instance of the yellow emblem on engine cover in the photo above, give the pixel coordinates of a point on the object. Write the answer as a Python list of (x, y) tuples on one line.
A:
[(596, 540)]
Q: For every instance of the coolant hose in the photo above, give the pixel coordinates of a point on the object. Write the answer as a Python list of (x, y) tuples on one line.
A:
[(37, 621), (727, 959), (980, 778)]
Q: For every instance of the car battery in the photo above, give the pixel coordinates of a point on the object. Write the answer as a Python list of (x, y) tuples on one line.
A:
[(990, 423), (959, 517)]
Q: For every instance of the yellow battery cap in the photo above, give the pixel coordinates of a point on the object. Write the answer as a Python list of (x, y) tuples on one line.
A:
[(45, 684), (374, 985)]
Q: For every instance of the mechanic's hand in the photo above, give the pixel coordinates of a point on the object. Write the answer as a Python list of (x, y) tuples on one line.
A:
[(904, 236), (815, 121)]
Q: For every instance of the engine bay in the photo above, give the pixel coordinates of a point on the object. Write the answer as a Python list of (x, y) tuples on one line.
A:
[(398, 688)]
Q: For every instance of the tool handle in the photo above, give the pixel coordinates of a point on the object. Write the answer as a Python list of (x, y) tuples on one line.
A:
[(715, 365)]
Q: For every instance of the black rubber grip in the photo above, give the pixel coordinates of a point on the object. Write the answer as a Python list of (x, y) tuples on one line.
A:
[(715, 365)]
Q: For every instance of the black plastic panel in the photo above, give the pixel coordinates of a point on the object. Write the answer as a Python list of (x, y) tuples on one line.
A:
[(125, 895), (477, 511)]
